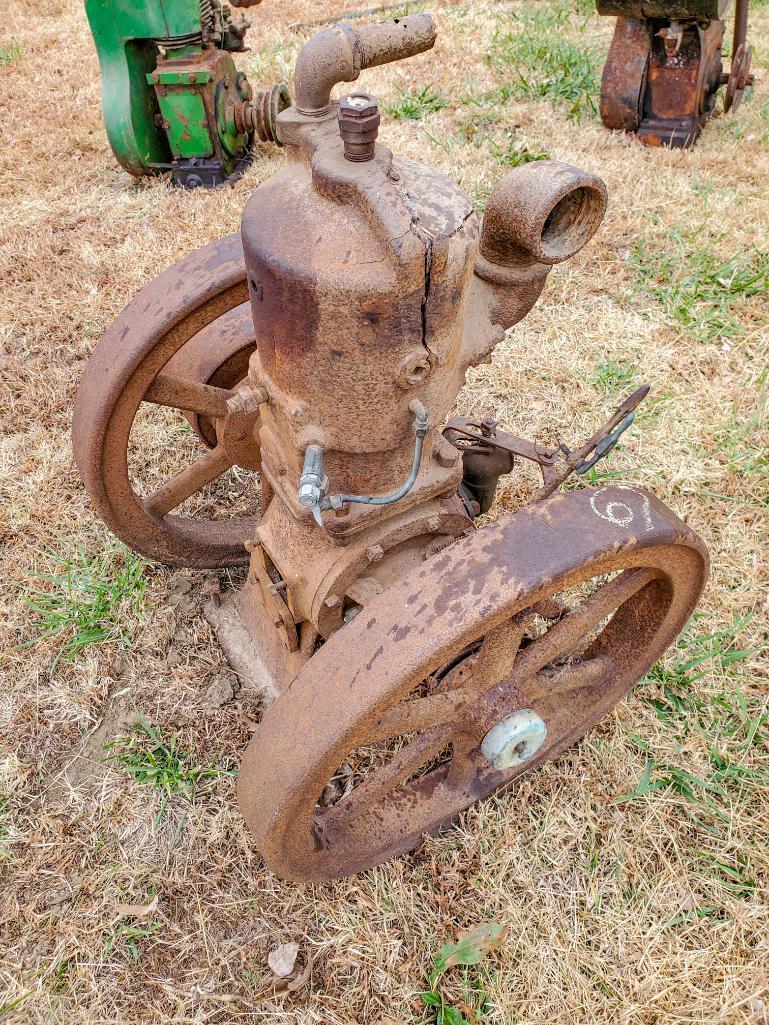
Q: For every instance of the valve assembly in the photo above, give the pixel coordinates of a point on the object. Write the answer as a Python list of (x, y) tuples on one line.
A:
[(420, 658)]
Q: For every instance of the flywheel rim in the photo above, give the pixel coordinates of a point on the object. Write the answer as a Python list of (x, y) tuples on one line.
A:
[(181, 304), (282, 775)]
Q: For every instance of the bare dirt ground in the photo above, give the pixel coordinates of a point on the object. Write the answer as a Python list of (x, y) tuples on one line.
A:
[(631, 874)]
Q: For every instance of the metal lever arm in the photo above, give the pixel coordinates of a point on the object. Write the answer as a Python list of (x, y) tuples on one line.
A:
[(596, 447)]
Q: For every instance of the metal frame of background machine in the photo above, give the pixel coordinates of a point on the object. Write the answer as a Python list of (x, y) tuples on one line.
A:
[(421, 661), (664, 67), (172, 98)]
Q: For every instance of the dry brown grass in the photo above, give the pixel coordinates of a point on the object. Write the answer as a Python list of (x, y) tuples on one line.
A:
[(648, 912)]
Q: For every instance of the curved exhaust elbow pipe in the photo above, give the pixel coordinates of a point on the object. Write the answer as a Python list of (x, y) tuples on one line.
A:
[(538, 215), (340, 53), (544, 212)]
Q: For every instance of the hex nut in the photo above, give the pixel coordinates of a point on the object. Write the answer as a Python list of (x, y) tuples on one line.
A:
[(359, 125), (446, 455)]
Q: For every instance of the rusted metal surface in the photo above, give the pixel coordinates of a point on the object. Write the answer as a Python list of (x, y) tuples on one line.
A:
[(541, 215), (218, 356), (372, 287), (664, 9), (739, 78), (479, 595), (340, 53), (258, 116), (625, 73), (128, 368), (488, 453), (664, 67)]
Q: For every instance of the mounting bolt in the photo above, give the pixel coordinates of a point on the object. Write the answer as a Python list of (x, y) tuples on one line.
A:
[(514, 740), (375, 553), (359, 125), (446, 455)]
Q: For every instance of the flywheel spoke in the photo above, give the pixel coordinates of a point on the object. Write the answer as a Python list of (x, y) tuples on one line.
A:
[(565, 635), (568, 679), (382, 781), (496, 657), (462, 745), (191, 396), (188, 481), (422, 713)]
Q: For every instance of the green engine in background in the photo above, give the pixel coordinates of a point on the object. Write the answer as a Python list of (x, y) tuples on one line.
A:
[(172, 97)]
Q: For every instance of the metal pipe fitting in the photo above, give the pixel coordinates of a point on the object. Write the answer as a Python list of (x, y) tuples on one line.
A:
[(340, 53), (419, 427), (544, 212), (313, 483), (359, 125)]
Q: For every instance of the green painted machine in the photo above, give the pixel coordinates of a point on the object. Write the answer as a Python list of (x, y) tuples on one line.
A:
[(172, 97)]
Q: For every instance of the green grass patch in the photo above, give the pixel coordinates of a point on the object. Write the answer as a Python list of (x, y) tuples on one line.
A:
[(87, 596), (737, 878), (10, 53), (507, 148), (16, 1002), (731, 724), (469, 949), (700, 292), (514, 152), (740, 440), (695, 658), (128, 936), (615, 375), (414, 104), (536, 60), (5, 827), (153, 759)]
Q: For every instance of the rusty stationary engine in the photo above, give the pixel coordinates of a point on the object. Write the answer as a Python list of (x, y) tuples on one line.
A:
[(664, 67), (421, 662)]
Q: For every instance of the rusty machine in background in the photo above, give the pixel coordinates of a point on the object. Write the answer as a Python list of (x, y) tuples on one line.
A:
[(664, 67), (421, 662), (172, 98)]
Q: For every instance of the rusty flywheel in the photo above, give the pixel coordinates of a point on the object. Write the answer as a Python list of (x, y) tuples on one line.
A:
[(508, 646), (183, 343)]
